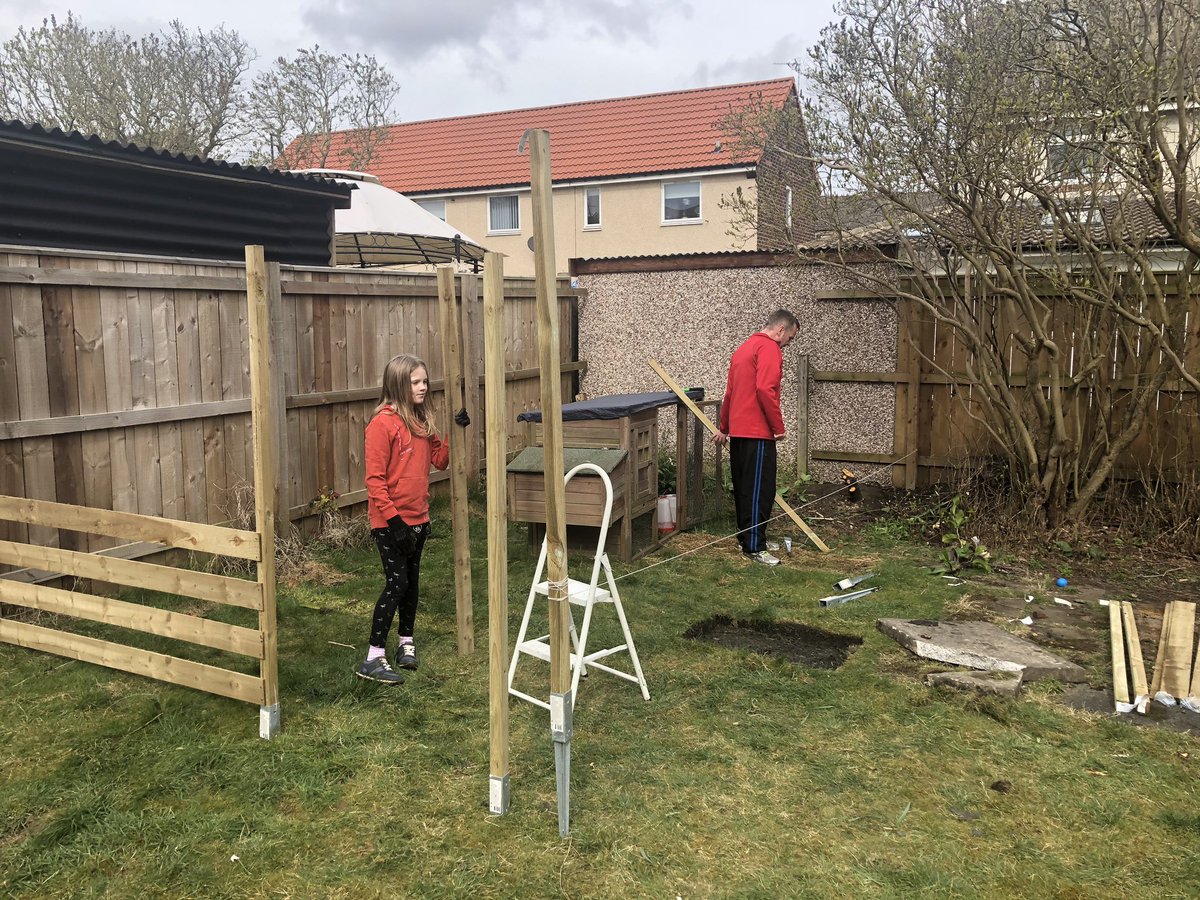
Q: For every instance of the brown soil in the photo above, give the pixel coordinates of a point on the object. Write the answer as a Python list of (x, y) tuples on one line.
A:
[(789, 641)]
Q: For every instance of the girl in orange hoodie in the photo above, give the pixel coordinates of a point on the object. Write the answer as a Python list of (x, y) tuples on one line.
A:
[(402, 443)]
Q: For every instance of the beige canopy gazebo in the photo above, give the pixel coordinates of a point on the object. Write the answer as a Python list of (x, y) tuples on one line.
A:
[(382, 227)]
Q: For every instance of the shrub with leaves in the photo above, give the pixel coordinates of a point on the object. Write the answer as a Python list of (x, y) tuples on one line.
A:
[(959, 551)]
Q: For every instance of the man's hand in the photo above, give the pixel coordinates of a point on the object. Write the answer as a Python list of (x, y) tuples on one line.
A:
[(720, 439)]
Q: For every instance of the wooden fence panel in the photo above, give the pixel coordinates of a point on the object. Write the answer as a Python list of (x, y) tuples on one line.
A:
[(124, 382)]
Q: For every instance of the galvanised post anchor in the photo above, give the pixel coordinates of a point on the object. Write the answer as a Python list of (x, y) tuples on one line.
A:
[(498, 795), (560, 734), (268, 721)]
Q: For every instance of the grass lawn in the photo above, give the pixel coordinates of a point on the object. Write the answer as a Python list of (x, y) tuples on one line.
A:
[(744, 776)]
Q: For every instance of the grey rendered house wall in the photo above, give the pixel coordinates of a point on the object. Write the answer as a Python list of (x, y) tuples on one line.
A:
[(692, 320)]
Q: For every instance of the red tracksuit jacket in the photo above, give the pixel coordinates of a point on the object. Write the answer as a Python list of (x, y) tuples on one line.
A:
[(751, 405), (397, 464)]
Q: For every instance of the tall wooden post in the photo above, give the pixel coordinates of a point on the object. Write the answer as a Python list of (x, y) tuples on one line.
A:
[(546, 286), (263, 427), (452, 356), (471, 352), (497, 529)]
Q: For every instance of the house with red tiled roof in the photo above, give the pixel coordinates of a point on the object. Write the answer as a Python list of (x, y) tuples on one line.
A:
[(672, 172)]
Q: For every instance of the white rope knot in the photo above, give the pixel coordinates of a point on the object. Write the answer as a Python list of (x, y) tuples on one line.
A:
[(557, 587)]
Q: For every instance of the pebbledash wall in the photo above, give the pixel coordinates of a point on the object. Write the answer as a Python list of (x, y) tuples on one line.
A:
[(691, 312)]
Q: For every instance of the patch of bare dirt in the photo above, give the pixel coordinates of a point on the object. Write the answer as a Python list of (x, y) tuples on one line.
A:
[(791, 641)]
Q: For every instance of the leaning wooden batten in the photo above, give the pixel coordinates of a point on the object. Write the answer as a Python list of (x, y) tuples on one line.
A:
[(257, 547)]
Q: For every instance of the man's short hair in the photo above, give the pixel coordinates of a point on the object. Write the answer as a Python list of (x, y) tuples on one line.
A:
[(781, 317)]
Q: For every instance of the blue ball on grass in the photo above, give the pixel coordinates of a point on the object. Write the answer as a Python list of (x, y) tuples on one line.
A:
[(1061, 582)]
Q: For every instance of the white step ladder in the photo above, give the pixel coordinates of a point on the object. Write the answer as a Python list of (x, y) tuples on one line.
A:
[(585, 595)]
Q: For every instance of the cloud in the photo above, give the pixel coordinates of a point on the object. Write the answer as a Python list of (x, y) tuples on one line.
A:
[(771, 62), (501, 30)]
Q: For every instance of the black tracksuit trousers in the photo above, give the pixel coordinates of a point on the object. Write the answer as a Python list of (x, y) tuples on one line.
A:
[(752, 465)]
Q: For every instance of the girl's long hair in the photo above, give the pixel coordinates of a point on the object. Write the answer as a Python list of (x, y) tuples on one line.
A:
[(396, 393)]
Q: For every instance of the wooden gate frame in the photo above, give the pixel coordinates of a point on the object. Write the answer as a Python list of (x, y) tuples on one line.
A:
[(255, 546)]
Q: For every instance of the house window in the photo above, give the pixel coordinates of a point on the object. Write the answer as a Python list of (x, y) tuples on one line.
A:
[(787, 214), (681, 202), (591, 208), (436, 207), (1076, 156), (504, 214)]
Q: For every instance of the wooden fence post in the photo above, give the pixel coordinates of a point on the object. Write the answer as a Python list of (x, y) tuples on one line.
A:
[(452, 355), (908, 393), (497, 530), (262, 415), (802, 382)]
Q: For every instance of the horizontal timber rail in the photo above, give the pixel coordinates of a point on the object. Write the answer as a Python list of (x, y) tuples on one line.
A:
[(161, 415), (80, 604)]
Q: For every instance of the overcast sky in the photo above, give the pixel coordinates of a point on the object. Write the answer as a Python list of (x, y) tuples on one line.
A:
[(457, 57)]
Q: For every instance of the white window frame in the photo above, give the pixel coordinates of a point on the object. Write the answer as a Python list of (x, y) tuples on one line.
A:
[(587, 226), (490, 229), (426, 204), (699, 218)]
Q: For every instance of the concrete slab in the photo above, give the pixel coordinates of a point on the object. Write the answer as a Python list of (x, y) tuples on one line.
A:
[(978, 645), (1006, 684)]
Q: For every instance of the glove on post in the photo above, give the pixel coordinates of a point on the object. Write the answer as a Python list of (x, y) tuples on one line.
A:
[(461, 418)]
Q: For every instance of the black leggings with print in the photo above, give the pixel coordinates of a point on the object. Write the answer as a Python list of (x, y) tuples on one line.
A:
[(401, 573)]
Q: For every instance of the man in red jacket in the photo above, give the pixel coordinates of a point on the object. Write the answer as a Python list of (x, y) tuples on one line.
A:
[(751, 422)]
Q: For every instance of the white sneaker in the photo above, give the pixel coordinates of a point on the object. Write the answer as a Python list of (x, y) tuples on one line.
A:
[(762, 556)]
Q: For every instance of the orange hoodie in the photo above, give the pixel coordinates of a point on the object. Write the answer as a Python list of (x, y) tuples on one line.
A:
[(397, 464)]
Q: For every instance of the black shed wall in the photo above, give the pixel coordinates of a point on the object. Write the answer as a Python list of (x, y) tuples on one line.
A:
[(68, 191)]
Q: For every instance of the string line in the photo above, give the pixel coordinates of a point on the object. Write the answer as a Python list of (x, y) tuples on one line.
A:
[(884, 467)]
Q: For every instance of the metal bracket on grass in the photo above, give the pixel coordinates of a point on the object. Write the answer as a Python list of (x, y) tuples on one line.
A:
[(847, 583), (838, 599)]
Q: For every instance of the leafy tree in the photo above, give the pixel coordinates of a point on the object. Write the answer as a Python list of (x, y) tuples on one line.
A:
[(1028, 158), (187, 92)]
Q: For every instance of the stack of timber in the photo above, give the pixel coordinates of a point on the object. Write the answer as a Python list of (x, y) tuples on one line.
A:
[(1129, 669), (1176, 672)]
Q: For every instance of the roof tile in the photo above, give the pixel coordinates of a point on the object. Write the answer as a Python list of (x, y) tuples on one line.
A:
[(666, 132)]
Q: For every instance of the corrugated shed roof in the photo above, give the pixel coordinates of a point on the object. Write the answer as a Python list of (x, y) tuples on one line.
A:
[(667, 132), (71, 191), (33, 135)]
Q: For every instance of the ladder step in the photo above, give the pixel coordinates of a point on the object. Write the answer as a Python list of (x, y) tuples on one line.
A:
[(541, 649), (577, 592)]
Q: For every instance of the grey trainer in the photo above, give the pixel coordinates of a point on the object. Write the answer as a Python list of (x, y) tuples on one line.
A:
[(406, 657), (378, 670)]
